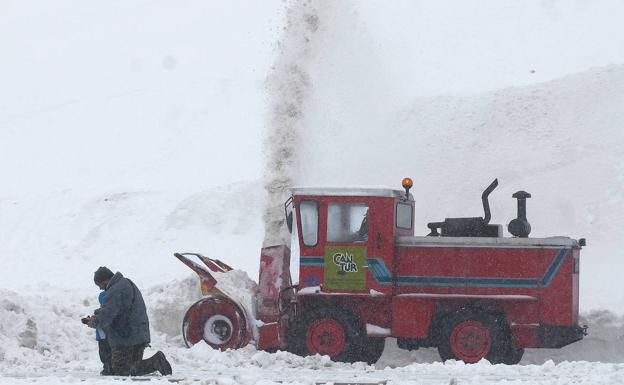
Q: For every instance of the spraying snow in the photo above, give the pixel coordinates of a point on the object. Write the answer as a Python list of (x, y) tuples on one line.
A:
[(289, 88)]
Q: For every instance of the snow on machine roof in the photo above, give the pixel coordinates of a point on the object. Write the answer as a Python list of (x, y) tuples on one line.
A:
[(383, 192)]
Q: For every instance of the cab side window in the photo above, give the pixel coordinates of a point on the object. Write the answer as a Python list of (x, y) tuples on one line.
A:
[(309, 222), (347, 222), (403, 216)]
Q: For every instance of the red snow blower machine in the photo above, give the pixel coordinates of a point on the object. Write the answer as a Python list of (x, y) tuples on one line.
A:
[(364, 276)]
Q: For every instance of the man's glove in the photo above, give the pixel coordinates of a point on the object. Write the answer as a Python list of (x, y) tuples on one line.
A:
[(89, 321)]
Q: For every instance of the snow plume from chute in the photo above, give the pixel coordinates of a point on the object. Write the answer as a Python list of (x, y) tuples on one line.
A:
[(289, 88)]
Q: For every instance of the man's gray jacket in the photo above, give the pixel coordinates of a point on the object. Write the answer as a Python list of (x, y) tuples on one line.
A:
[(122, 315)]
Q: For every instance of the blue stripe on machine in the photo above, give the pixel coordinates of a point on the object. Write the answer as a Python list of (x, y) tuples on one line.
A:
[(311, 261), (379, 270), (554, 267), (467, 281), (382, 275)]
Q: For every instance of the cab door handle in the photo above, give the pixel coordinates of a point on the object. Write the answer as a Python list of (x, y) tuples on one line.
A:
[(378, 241)]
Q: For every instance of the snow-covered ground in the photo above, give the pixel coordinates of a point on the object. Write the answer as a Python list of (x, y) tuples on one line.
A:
[(42, 341), (133, 129)]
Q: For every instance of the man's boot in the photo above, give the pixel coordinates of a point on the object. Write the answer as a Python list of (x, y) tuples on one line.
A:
[(107, 370), (162, 365), (157, 362)]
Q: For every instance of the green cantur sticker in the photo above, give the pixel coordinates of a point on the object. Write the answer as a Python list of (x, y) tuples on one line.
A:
[(344, 268)]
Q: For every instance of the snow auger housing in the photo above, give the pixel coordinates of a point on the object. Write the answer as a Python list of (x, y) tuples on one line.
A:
[(217, 319), (364, 276)]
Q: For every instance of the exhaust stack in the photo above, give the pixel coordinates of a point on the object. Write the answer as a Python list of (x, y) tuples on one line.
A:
[(520, 227)]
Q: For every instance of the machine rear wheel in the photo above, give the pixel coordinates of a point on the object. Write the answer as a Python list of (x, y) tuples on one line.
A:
[(326, 336), (471, 336), (217, 320), (513, 355)]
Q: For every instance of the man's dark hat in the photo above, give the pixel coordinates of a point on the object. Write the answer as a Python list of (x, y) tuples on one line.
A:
[(102, 274)]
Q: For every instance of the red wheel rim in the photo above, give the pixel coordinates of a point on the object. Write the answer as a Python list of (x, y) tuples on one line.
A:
[(217, 321), (470, 341), (326, 336)]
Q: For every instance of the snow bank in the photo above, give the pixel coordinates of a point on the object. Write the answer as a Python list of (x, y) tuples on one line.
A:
[(61, 238), (41, 334), (43, 331), (289, 87)]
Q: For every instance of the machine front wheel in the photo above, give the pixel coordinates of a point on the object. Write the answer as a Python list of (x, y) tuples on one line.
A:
[(217, 320), (329, 331)]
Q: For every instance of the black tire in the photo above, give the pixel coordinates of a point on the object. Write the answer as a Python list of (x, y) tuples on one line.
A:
[(513, 354), (328, 331), (470, 335), (372, 349)]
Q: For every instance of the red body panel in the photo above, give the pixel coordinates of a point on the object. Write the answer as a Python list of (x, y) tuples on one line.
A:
[(526, 335), (557, 298), (575, 286), (411, 317)]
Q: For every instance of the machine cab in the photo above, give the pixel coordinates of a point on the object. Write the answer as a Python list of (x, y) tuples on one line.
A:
[(346, 238)]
